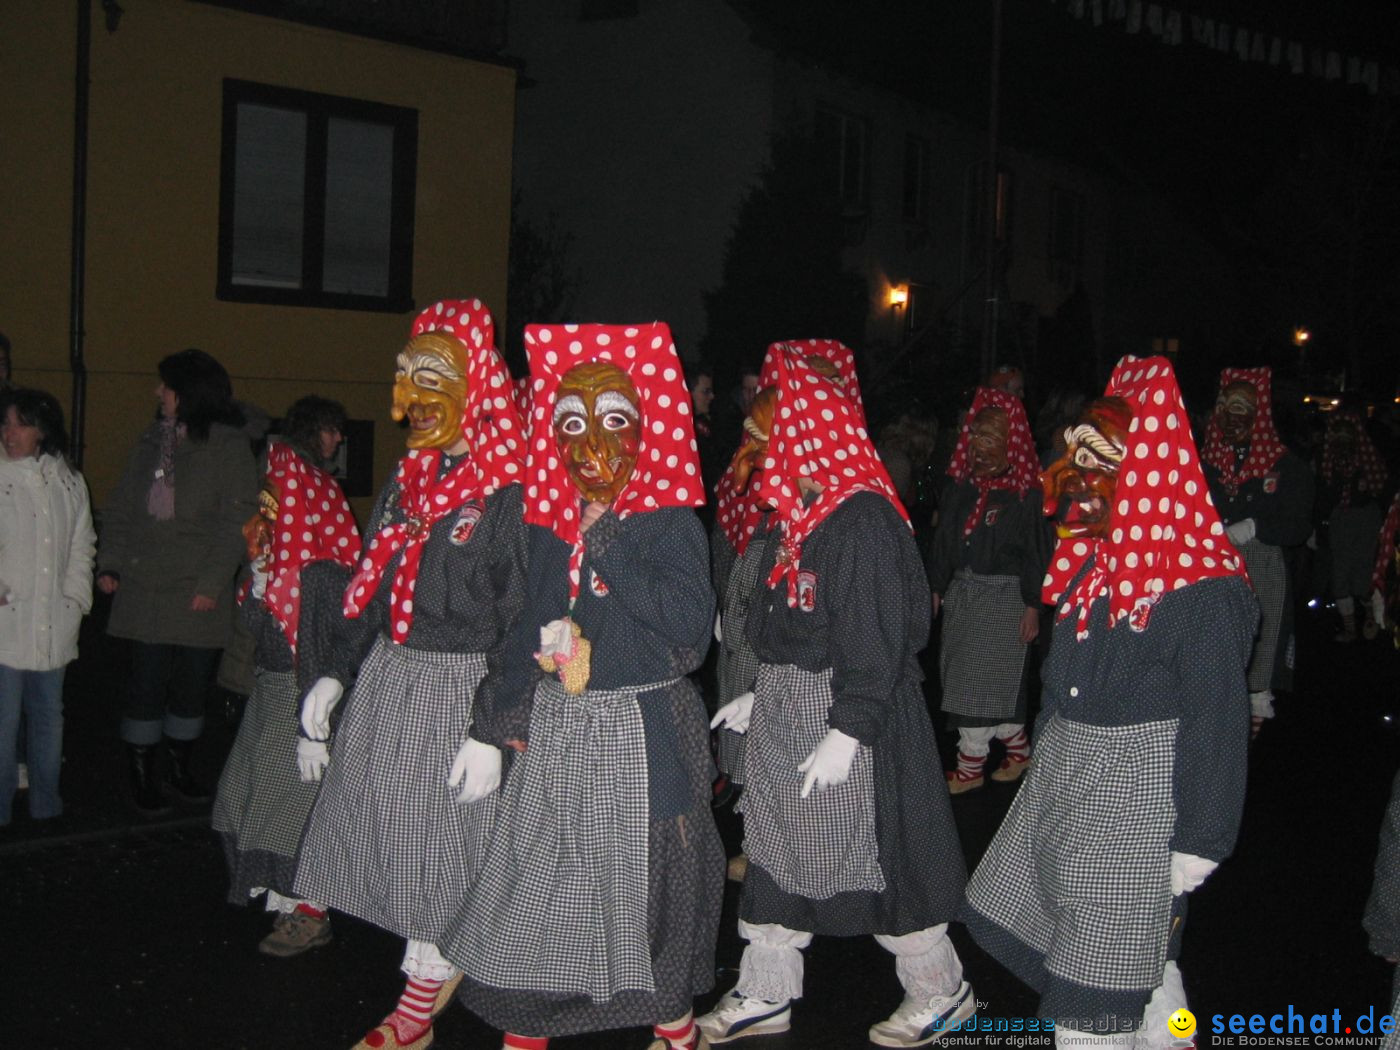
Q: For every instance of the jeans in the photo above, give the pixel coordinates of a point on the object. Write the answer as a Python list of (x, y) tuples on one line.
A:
[(169, 687), (40, 695)]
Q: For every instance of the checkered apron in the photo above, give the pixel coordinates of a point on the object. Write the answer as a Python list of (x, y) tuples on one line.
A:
[(262, 802), (1079, 870), (387, 841), (1269, 576), (981, 660), (822, 845), (738, 664), (561, 905)]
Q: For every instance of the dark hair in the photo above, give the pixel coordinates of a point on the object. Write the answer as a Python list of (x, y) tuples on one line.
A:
[(302, 426), (204, 390), (694, 371), (38, 408)]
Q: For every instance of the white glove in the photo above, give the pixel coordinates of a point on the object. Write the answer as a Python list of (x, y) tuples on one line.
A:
[(1241, 532), (1189, 871), (735, 715), (1378, 607), (312, 758), (477, 768), (829, 763), (719, 633), (259, 581), (316, 709)]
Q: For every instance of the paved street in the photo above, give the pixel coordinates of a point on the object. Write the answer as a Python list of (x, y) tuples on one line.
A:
[(117, 934)]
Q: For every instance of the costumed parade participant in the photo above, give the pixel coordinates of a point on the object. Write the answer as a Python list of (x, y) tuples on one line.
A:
[(440, 582), (741, 547), (302, 546), (1385, 577), (1137, 787), (1264, 494), (1351, 481), (599, 900), (987, 565), (847, 825)]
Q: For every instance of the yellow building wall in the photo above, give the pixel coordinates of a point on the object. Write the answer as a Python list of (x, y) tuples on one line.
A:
[(155, 135)]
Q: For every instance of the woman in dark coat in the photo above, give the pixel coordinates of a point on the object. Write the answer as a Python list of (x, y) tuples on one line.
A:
[(169, 551)]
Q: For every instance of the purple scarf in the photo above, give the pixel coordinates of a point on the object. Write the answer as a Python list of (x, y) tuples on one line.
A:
[(160, 497)]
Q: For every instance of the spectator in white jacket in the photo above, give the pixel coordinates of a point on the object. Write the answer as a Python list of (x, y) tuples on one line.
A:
[(46, 553)]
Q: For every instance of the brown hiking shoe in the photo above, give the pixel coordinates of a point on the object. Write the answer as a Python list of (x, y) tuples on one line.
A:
[(295, 933)]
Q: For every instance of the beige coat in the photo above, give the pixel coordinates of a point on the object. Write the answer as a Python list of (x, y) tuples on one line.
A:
[(162, 565), (46, 545)]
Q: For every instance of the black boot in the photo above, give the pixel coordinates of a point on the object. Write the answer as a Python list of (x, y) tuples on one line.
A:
[(178, 778), (145, 789)]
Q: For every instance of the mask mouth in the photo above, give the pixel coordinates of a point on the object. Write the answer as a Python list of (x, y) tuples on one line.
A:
[(590, 471)]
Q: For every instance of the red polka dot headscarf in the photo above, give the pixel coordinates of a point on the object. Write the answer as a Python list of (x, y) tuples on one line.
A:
[(738, 514), (1164, 533), (667, 473), (1265, 445), (817, 434), (495, 459), (841, 356), (1024, 472), (1356, 470), (314, 523)]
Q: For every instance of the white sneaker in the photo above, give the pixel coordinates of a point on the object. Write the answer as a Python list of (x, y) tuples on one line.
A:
[(919, 1022), (737, 1016)]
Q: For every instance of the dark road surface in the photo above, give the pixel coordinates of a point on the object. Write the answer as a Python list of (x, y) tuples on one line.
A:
[(116, 933)]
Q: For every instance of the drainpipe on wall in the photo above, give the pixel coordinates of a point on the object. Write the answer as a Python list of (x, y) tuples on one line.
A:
[(78, 411)]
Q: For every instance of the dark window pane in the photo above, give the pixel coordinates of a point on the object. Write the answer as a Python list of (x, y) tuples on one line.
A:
[(269, 195), (359, 199)]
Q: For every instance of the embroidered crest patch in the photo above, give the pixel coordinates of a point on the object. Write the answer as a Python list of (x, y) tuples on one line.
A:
[(467, 518), (991, 518), (1271, 483), (596, 584), (1142, 611), (806, 590)]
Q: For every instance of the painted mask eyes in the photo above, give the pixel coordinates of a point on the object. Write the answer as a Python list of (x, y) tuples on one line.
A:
[(614, 421)]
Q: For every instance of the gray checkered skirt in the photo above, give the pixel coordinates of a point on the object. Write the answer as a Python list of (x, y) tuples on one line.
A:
[(1269, 576), (1079, 871), (261, 805), (387, 841), (561, 906), (824, 844), (981, 660)]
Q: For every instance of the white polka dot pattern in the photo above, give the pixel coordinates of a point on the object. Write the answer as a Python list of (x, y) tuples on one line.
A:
[(804, 444), (1265, 445), (495, 458), (314, 523), (1024, 474), (1165, 533), (668, 465), (737, 514)]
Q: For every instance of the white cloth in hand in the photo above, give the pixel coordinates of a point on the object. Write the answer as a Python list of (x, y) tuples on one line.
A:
[(829, 763), (316, 709), (735, 715), (312, 758), (477, 768), (556, 640), (1378, 607), (1241, 532), (1189, 871), (259, 587)]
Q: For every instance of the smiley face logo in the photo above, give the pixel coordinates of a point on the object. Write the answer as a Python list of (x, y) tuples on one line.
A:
[(1182, 1024)]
